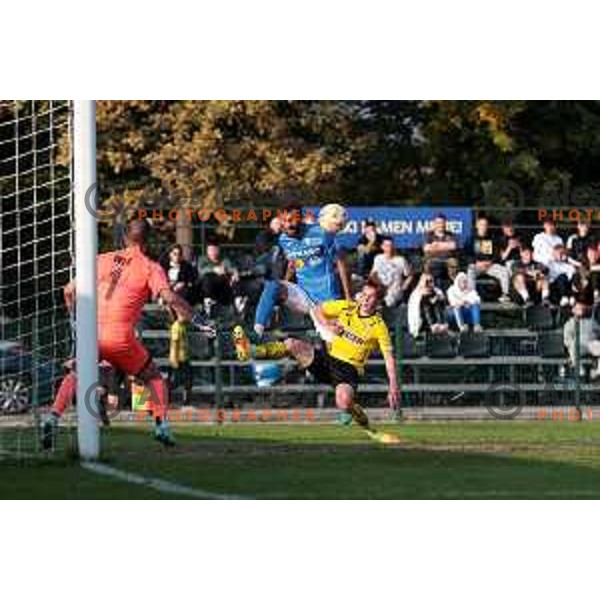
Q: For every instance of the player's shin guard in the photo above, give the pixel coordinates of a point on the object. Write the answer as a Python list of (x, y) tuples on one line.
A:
[(266, 304)]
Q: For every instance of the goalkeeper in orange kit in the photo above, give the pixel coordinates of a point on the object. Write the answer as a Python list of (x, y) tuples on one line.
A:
[(126, 280)]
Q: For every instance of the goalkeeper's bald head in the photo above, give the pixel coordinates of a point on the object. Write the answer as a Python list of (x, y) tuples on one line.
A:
[(137, 233)]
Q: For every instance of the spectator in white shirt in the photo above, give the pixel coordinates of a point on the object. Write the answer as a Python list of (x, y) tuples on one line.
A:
[(393, 271), (544, 242), (464, 302)]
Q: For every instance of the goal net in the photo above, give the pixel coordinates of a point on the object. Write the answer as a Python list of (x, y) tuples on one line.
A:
[(36, 261)]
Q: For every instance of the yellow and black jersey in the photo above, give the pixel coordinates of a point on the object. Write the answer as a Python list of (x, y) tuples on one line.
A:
[(360, 335)]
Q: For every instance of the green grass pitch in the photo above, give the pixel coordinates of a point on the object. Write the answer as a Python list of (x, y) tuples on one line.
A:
[(435, 460)]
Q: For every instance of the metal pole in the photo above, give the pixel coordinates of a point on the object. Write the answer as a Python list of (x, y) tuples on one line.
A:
[(399, 368), (578, 365), (218, 374), (86, 243), (35, 338)]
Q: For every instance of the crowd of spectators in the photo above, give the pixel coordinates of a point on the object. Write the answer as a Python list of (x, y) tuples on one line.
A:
[(508, 267), (218, 282), (442, 284)]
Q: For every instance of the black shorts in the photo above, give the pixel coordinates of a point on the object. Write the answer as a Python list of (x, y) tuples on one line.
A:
[(327, 369)]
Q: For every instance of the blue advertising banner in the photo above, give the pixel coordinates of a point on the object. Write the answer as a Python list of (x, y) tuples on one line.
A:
[(407, 225)]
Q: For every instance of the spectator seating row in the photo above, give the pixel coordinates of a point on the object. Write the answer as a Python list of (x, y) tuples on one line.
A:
[(537, 333), (543, 344)]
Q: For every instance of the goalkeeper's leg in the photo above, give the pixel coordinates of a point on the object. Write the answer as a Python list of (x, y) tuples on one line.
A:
[(63, 400), (65, 395), (129, 355), (156, 386)]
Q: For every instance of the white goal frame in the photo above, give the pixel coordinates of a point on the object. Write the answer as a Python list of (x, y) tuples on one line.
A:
[(86, 246)]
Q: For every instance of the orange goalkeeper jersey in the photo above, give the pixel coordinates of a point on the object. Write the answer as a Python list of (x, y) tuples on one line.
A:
[(127, 279)]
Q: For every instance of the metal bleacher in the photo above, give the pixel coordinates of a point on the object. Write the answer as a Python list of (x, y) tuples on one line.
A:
[(518, 358)]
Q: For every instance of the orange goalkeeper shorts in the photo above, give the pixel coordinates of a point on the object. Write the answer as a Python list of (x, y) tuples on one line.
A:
[(123, 351)]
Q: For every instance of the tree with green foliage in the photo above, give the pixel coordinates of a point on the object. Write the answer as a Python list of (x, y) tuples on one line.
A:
[(222, 152), (218, 153)]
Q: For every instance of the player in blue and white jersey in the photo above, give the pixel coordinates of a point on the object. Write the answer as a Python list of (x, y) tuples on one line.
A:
[(315, 259)]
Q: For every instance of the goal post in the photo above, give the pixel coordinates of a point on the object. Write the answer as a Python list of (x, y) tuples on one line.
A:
[(86, 244)]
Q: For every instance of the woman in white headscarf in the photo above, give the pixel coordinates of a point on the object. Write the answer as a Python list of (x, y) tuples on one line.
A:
[(464, 302), (427, 306)]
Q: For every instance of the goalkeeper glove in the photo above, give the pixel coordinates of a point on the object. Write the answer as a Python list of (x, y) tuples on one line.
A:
[(204, 326)]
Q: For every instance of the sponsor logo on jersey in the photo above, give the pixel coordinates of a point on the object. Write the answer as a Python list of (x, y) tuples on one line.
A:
[(313, 241), (304, 253), (352, 337)]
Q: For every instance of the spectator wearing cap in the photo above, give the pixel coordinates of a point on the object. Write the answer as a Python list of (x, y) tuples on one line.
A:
[(485, 255), (545, 241), (393, 272), (369, 246), (439, 252)]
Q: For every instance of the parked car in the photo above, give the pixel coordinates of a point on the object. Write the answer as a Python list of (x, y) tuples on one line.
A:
[(17, 369)]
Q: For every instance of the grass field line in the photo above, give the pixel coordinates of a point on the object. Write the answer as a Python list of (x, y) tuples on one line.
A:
[(155, 483)]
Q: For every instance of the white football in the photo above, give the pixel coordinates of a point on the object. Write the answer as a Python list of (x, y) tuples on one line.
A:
[(333, 218)]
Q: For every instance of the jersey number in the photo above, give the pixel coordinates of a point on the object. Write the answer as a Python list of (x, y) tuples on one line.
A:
[(115, 274)]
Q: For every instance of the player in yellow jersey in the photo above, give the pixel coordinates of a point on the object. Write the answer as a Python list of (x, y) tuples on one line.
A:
[(358, 329)]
